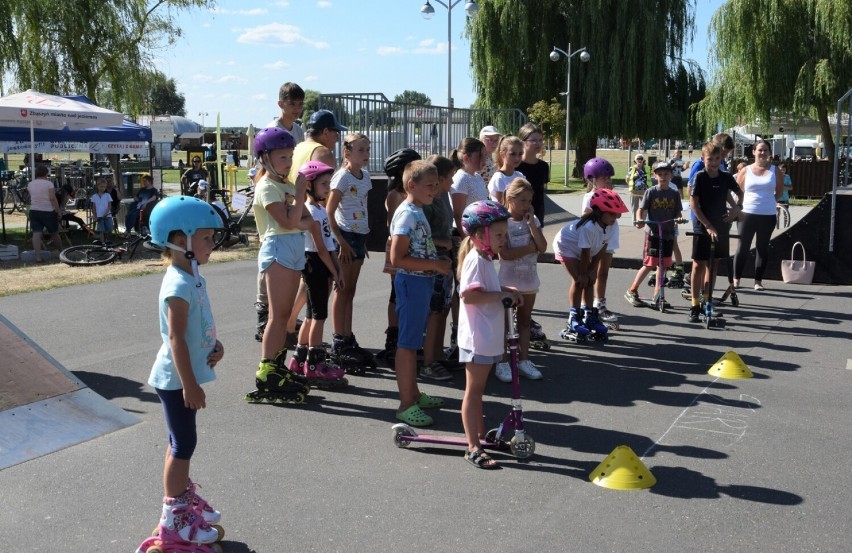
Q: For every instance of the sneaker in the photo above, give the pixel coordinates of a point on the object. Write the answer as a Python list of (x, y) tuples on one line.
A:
[(632, 296), (528, 369), (503, 372), (694, 313), (435, 371), (759, 287)]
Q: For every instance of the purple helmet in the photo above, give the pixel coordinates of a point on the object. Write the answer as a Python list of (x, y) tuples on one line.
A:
[(598, 167), (482, 214), (313, 169), (272, 138)]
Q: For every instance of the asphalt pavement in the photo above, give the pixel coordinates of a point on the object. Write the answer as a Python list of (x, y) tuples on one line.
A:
[(741, 465)]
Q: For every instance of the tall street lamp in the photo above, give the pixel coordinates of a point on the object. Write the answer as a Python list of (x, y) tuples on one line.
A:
[(584, 57), (428, 12), (202, 114)]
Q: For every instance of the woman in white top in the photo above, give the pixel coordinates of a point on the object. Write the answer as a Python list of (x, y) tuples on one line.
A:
[(762, 185), (44, 209)]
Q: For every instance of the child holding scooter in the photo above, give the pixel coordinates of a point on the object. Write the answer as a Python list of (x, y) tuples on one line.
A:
[(661, 205), (481, 319), (579, 246)]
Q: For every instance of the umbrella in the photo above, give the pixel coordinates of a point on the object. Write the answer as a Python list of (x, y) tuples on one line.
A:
[(45, 111)]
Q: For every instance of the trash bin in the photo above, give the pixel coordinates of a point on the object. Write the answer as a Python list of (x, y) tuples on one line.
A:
[(125, 208)]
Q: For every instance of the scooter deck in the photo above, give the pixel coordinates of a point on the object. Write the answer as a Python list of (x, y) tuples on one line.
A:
[(405, 435)]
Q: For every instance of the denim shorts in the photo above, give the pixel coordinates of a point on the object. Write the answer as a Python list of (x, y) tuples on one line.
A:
[(105, 224), (413, 294), (287, 249), (41, 220), (358, 243), (467, 356)]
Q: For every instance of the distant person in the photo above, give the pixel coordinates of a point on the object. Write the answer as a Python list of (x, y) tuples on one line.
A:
[(784, 167), (291, 100), (509, 154), (45, 212), (762, 185), (677, 165), (145, 197), (536, 170), (101, 205), (64, 194), (637, 183), (194, 174), (490, 136)]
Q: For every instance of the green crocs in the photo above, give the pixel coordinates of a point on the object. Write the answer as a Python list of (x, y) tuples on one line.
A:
[(426, 401), (415, 416)]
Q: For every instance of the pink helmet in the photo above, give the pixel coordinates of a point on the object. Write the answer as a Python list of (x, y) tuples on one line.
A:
[(312, 169), (272, 138), (608, 201), (598, 167)]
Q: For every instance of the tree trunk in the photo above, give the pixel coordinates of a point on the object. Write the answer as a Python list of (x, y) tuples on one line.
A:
[(586, 148), (827, 137)]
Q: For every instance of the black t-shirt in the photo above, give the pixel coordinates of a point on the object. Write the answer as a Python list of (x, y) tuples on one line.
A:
[(538, 175), (712, 194), (193, 175)]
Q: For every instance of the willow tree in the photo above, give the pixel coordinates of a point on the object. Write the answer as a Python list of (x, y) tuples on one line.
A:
[(636, 83), (779, 57), (102, 49)]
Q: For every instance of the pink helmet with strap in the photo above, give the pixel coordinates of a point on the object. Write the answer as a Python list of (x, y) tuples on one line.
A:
[(312, 169), (608, 201)]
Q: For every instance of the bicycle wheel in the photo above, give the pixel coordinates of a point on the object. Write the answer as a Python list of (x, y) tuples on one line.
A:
[(220, 236), (87, 254), (785, 217)]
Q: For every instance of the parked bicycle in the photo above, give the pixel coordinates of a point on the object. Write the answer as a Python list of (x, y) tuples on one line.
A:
[(99, 253), (15, 196), (233, 227)]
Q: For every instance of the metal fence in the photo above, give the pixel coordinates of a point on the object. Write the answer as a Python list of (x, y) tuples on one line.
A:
[(427, 129)]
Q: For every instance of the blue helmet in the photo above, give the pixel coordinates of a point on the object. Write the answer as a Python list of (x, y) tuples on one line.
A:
[(184, 213)]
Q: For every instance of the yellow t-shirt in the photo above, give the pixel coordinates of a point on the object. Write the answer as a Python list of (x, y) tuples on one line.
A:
[(268, 191), (303, 153)]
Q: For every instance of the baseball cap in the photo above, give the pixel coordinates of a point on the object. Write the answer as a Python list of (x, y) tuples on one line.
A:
[(252, 172), (489, 130), (195, 158), (637, 157), (324, 119), (662, 165)]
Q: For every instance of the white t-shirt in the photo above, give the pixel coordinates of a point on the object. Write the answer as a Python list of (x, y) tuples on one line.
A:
[(759, 193), (351, 213), (570, 241), (500, 181), (409, 220), (297, 131), (40, 191), (613, 242), (470, 185), (102, 204), (521, 273), (481, 326), (319, 213)]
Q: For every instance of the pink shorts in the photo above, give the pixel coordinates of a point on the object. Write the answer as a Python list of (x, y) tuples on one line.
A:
[(655, 261)]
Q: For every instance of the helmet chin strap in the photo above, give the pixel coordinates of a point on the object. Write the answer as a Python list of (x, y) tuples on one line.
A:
[(270, 169), (484, 245), (189, 254)]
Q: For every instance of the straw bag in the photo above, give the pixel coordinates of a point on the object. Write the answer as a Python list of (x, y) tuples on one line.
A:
[(797, 272)]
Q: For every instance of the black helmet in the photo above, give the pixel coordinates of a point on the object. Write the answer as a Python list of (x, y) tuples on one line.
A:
[(397, 161)]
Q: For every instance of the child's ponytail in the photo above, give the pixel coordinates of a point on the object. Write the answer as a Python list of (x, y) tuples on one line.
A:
[(464, 249)]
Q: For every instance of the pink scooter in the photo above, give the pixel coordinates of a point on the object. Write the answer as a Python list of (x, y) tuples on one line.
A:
[(521, 445)]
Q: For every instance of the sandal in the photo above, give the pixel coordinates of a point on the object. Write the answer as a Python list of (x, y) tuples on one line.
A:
[(425, 401), (481, 460), (415, 416)]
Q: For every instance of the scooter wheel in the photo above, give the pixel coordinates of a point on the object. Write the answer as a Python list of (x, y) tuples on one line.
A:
[(400, 434), (686, 294), (735, 301), (522, 449)]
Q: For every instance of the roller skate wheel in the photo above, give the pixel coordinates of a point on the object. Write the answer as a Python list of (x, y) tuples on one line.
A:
[(220, 530), (612, 325), (154, 549), (401, 433), (522, 449)]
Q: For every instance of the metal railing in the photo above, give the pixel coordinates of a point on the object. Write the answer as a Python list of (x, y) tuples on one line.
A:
[(394, 125)]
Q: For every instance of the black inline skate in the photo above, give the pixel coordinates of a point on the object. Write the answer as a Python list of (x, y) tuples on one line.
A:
[(538, 339), (388, 355), (277, 384), (346, 353), (677, 278)]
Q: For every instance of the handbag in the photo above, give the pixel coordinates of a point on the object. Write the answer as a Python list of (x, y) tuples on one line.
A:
[(794, 271)]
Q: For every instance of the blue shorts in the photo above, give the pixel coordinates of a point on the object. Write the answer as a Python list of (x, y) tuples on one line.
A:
[(105, 224), (180, 420), (467, 356), (413, 294), (358, 243), (287, 249), (41, 220)]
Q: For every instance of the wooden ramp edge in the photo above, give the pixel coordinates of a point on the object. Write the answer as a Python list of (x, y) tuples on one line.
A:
[(43, 406)]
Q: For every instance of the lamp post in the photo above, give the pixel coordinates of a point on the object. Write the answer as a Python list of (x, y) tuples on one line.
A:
[(428, 12), (584, 57), (202, 114)]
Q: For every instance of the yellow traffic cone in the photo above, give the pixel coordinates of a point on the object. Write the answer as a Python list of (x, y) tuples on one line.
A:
[(622, 470), (730, 366)]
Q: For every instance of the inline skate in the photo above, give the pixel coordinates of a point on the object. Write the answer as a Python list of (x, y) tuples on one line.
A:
[(575, 331), (183, 527), (609, 318), (347, 354), (388, 355), (677, 278), (321, 373), (538, 339), (597, 330), (277, 384)]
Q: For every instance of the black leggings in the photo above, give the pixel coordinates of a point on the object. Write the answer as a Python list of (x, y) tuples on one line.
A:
[(762, 226)]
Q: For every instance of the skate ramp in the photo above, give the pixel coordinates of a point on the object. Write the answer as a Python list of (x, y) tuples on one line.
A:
[(43, 407), (813, 231)]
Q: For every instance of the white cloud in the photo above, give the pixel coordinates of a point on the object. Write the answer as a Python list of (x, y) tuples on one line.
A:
[(311, 78), (231, 79), (260, 97), (277, 65), (202, 78), (277, 34), (389, 50), (226, 11), (282, 4), (323, 4), (427, 42), (438, 48)]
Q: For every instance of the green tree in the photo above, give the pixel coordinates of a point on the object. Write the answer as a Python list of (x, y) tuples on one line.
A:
[(788, 57), (413, 97), (625, 89), (102, 49), (163, 97), (550, 116)]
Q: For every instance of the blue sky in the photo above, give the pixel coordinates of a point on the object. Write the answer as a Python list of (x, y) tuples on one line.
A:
[(232, 59)]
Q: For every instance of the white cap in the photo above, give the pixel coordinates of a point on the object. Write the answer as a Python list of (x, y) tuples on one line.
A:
[(489, 130)]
